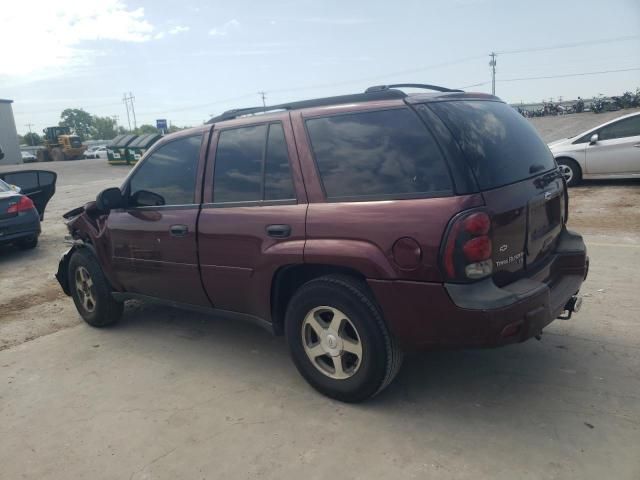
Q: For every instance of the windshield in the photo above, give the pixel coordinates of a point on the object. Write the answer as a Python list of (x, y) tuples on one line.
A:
[(499, 144)]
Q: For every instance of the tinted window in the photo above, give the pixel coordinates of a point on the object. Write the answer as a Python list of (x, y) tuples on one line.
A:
[(629, 127), (277, 174), (238, 165), (170, 171), (500, 145), (381, 153), (24, 180)]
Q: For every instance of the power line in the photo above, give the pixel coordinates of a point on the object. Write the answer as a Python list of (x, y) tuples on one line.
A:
[(570, 45), (579, 74)]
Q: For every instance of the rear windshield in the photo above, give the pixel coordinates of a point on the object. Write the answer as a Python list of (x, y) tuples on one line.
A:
[(500, 145)]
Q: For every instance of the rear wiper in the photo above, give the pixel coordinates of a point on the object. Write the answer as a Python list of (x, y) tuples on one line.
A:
[(536, 167)]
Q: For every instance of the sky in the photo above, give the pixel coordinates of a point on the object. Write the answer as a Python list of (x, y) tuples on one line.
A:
[(188, 60)]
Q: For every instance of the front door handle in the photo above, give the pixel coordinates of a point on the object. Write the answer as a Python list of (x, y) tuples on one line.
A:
[(178, 230), (279, 231)]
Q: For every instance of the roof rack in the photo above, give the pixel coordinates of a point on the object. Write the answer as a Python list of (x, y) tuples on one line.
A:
[(318, 102), (436, 88), (378, 92)]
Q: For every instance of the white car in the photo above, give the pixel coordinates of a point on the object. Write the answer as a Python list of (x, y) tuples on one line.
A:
[(28, 157), (96, 152), (611, 150)]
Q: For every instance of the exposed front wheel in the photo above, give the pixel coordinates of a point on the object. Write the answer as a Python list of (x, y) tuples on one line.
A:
[(570, 171), (91, 292), (338, 339)]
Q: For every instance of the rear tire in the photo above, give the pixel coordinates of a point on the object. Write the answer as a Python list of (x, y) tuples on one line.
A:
[(91, 292), (338, 339), (28, 243), (570, 170)]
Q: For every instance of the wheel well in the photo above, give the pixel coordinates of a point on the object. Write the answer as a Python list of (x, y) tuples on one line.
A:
[(564, 157), (289, 278)]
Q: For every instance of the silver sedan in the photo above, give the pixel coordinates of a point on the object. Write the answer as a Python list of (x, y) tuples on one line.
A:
[(610, 150)]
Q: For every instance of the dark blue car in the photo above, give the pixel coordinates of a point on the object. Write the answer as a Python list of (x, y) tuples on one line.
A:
[(23, 198)]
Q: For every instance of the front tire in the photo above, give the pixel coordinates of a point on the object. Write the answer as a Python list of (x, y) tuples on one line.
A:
[(91, 292), (570, 171), (338, 339)]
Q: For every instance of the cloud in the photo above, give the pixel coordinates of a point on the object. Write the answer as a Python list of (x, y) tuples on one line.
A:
[(46, 37), (225, 29), (178, 29)]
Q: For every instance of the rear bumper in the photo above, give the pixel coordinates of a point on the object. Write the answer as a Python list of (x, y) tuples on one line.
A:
[(24, 225), (430, 315)]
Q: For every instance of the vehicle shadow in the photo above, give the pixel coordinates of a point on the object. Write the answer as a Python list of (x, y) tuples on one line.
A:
[(495, 381), (632, 182), (10, 252)]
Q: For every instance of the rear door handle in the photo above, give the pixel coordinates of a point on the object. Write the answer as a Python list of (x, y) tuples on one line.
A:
[(279, 231), (178, 230)]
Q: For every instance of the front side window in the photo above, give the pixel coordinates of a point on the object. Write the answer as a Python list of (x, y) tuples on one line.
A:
[(379, 154), (168, 175), (252, 164), (629, 127)]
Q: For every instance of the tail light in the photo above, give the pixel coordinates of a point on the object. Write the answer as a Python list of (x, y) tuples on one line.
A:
[(22, 205), (468, 250)]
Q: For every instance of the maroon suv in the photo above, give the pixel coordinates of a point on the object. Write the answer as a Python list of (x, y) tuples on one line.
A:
[(359, 226)]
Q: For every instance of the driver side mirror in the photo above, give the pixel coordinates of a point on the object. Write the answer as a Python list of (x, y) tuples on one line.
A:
[(109, 199), (145, 198), (593, 139)]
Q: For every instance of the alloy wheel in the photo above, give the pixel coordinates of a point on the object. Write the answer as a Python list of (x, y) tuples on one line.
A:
[(331, 342), (85, 289), (567, 172)]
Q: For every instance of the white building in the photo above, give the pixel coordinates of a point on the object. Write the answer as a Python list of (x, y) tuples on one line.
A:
[(8, 134)]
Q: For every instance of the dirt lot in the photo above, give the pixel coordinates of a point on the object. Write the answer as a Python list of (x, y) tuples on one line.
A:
[(169, 394)]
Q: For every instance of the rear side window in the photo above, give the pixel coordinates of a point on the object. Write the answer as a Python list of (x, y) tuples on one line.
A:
[(629, 127), (499, 144), (252, 164), (380, 154)]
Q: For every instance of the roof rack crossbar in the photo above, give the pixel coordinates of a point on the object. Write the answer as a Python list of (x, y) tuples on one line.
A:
[(436, 88), (385, 94)]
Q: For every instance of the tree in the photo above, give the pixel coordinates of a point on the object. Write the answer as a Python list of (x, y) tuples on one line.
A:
[(32, 138), (81, 122), (104, 128), (144, 129)]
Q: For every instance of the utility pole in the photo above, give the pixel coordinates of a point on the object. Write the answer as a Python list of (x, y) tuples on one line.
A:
[(115, 119), (29, 125), (492, 64), (263, 94), (132, 98), (128, 103), (125, 100)]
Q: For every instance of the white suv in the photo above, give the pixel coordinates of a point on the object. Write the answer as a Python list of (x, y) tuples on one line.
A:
[(610, 150)]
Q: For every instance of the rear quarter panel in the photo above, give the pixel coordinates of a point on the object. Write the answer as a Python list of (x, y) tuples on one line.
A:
[(361, 235)]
